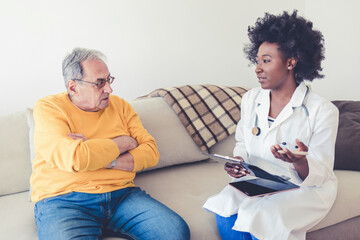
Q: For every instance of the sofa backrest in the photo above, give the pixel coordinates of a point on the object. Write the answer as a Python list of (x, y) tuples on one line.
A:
[(15, 167), (347, 148), (174, 143), (16, 142)]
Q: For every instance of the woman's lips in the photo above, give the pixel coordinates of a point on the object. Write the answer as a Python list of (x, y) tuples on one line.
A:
[(261, 79)]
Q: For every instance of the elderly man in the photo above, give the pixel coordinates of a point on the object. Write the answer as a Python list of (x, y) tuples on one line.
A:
[(89, 145)]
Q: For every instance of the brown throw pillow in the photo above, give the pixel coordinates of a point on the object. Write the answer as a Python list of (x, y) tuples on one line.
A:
[(347, 147)]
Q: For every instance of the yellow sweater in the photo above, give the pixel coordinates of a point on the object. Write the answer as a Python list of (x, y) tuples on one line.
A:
[(64, 165)]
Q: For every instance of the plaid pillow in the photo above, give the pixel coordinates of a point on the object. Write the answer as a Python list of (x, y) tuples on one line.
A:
[(209, 113)]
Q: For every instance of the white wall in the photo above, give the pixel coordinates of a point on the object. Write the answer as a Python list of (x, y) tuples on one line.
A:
[(158, 43), (339, 21)]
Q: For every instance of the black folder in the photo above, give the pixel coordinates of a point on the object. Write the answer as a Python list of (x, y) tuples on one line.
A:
[(265, 183)]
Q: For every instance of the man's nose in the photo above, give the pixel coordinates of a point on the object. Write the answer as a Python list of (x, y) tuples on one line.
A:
[(108, 88)]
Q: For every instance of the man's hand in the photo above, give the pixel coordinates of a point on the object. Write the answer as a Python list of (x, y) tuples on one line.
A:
[(124, 162), (77, 136), (125, 143)]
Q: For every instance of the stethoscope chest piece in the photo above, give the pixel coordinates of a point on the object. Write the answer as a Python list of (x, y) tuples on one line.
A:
[(256, 131)]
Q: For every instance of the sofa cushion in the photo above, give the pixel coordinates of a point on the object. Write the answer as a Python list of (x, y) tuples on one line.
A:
[(225, 147), (347, 148), (209, 113), (14, 153), (17, 217), (31, 124), (184, 189), (346, 205), (188, 186), (173, 141)]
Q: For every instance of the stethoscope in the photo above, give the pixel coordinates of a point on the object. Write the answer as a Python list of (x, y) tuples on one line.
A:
[(256, 131)]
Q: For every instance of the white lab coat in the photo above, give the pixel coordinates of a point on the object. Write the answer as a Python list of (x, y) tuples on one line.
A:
[(285, 215)]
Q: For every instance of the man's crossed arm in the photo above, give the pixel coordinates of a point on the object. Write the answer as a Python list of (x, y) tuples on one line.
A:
[(124, 161)]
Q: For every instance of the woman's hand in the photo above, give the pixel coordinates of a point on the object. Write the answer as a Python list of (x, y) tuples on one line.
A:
[(236, 170), (299, 161), (288, 156)]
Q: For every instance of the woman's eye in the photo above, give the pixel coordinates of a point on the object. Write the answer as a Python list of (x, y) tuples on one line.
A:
[(266, 61)]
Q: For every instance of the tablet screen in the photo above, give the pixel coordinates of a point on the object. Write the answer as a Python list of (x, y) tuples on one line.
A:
[(251, 189), (260, 187)]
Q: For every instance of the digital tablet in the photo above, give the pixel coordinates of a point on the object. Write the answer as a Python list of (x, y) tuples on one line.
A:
[(260, 187), (254, 170), (265, 183)]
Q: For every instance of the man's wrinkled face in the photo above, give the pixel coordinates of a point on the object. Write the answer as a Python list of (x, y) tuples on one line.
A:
[(89, 97)]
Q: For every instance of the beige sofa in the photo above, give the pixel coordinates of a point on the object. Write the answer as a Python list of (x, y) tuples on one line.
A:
[(183, 179)]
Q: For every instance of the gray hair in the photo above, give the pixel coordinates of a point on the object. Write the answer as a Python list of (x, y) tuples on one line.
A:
[(71, 65)]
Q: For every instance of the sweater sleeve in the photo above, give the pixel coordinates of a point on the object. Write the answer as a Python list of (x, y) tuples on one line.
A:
[(53, 145), (146, 154)]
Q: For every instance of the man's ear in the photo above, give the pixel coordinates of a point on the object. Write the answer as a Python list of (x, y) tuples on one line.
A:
[(72, 87), (291, 63)]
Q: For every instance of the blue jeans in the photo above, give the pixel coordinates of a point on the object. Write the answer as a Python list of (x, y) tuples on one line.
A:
[(225, 225), (128, 212)]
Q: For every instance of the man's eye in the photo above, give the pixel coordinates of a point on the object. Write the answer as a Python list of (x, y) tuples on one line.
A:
[(100, 82)]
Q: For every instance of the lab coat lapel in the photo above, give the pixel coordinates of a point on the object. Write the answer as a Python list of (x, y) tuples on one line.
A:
[(284, 114), (296, 100)]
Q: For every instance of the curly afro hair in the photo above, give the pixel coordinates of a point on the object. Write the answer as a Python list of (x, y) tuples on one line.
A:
[(295, 37)]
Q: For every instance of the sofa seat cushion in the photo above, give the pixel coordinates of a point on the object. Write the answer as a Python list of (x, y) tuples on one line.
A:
[(17, 217), (346, 205), (185, 189)]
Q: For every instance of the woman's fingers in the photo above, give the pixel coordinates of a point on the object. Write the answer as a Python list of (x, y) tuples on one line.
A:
[(235, 170), (302, 146)]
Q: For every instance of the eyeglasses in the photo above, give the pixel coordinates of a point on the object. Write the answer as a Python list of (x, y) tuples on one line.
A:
[(101, 81)]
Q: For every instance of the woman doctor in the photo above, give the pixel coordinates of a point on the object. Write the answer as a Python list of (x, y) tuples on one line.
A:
[(287, 130)]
